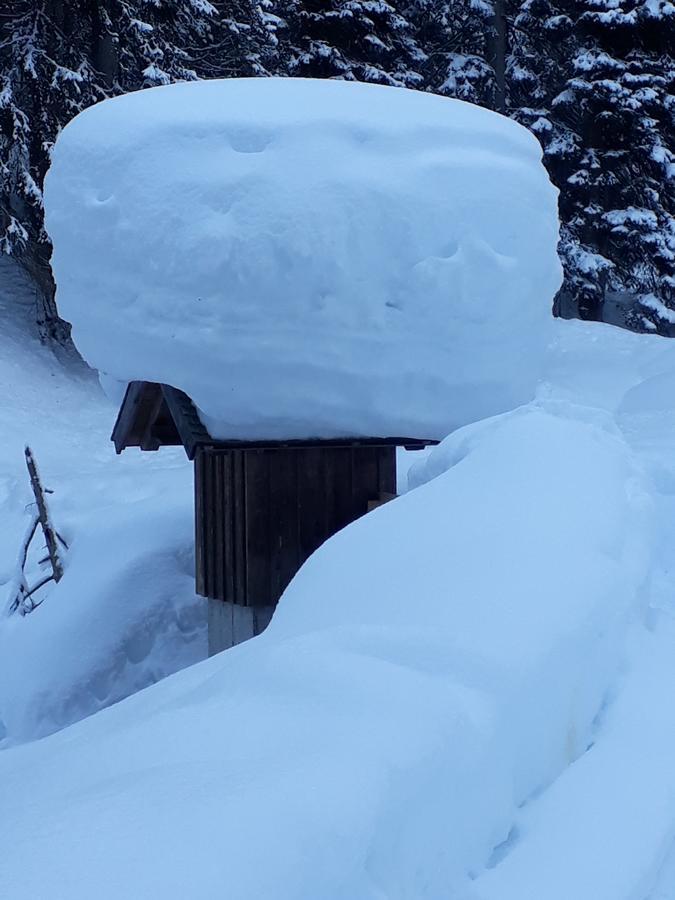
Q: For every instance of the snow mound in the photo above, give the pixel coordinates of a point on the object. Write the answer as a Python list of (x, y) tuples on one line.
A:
[(124, 615), (601, 830), (428, 668), (307, 258), (518, 549)]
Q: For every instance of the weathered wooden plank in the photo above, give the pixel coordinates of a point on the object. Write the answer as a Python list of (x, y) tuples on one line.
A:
[(220, 624), (283, 519), (209, 503), (149, 409), (386, 470), (239, 526), (340, 479), (258, 539), (200, 543), (225, 459), (365, 479), (218, 527), (188, 427), (322, 443), (243, 622), (127, 416), (260, 513), (206, 486), (334, 472), (230, 624), (311, 512)]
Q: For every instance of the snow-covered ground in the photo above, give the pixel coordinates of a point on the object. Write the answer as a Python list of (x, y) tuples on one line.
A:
[(463, 695), (665, 886), (481, 711), (125, 613)]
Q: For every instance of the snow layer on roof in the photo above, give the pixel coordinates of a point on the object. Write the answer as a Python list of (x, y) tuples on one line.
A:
[(307, 258)]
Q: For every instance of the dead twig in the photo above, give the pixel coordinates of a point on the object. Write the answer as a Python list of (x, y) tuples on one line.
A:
[(21, 592), (43, 516)]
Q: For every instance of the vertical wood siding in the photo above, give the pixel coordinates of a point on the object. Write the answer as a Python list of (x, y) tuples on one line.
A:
[(259, 513)]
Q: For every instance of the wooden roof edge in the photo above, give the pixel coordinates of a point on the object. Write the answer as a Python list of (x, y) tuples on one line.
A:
[(298, 443), (193, 433), (128, 429), (191, 429), (125, 417)]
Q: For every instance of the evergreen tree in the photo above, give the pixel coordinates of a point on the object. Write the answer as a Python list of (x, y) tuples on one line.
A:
[(356, 40), (59, 56), (594, 81), (455, 37)]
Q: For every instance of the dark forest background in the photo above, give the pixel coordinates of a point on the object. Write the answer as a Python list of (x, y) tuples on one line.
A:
[(594, 80)]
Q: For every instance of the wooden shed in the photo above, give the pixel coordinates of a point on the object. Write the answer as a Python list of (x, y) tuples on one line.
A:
[(261, 507)]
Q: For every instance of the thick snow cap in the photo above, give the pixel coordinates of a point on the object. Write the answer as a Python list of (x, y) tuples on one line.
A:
[(307, 258)]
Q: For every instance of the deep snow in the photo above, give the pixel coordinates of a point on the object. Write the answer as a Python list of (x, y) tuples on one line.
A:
[(125, 613), (665, 886), (307, 258), (464, 695), (377, 739), (369, 758)]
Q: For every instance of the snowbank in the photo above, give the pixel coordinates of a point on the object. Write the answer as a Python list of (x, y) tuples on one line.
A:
[(307, 258), (595, 364), (602, 829), (429, 668), (124, 615), (518, 546)]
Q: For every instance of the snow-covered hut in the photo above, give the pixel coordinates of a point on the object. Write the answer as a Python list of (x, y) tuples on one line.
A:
[(296, 277), (261, 507)]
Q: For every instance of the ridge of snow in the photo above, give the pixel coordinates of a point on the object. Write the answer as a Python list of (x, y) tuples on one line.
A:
[(376, 739)]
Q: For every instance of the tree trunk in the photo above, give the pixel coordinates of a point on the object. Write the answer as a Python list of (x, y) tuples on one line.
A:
[(496, 52)]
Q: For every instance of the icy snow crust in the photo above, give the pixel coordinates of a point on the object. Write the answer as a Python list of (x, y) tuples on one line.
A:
[(307, 258)]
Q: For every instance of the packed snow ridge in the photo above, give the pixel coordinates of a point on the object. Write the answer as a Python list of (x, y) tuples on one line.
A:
[(379, 737), (307, 258)]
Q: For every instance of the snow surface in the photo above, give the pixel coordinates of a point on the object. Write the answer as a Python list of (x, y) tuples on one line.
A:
[(465, 695), (665, 887), (377, 739), (604, 827), (396, 742), (307, 258), (125, 613)]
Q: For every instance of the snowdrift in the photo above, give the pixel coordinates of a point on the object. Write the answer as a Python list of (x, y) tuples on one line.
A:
[(428, 669), (125, 612), (124, 615), (307, 258)]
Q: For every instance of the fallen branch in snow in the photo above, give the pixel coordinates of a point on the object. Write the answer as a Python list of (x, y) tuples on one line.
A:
[(43, 514), (19, 588), (21, 593)]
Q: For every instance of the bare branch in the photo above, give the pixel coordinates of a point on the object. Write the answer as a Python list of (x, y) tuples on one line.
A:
[(47, 529)]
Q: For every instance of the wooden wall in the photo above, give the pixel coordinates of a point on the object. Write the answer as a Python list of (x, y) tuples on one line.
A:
[(260, 512)]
